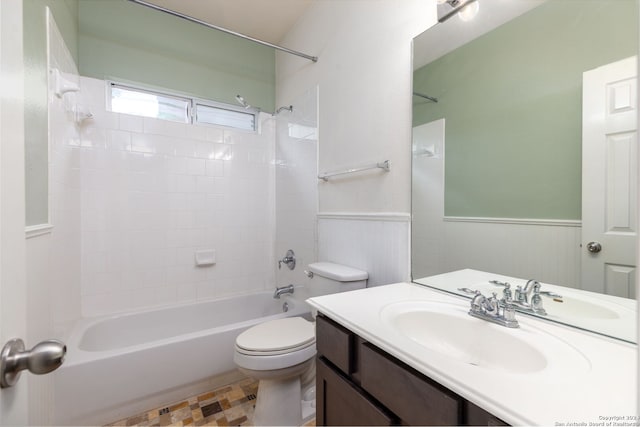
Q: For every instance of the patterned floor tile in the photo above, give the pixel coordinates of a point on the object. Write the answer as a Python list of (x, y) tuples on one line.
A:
[(231, 405)]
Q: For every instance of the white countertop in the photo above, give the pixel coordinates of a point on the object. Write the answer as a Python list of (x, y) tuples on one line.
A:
[(606, 314), (604, 387)]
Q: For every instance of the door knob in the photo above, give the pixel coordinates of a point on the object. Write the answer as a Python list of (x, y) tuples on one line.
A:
[(594, 247), (41, 359)]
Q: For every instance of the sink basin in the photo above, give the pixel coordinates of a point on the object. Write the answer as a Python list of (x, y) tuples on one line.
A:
[(573, 306), (447, 329)]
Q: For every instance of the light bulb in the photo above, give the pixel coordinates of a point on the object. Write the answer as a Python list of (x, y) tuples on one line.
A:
[(469, 12)]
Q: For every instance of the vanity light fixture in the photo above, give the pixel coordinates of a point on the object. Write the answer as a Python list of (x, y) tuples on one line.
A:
[(465, 9), (468, 12)]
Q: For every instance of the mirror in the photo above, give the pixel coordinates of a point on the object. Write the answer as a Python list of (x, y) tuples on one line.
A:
[(516, 170)]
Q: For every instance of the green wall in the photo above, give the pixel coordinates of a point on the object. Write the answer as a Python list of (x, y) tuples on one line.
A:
[(123, 41), (65, 13), (512, 100)]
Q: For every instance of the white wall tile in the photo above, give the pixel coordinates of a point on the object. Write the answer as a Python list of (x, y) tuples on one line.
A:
[(103, 119), (214, 134), (196, 167), (175, 129), (185, 147), (131, 123), (153, 194), (154, 126), (143, 143), (92, 93), (196, 132), (118, 140), (204, 150)]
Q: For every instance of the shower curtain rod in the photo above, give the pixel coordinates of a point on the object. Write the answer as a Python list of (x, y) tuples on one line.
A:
[(430, 98), (224, 30)]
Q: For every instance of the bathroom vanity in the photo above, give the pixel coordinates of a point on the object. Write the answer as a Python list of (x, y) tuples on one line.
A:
[(360, 384), (406, 354)]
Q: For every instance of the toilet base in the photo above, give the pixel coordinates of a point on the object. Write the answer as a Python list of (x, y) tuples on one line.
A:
[(278, 403), (285, 397), (308, 404)]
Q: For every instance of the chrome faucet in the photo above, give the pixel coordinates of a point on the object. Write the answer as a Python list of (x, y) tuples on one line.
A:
[(289, 260), (491, 309), (283, 290), (527, 299)]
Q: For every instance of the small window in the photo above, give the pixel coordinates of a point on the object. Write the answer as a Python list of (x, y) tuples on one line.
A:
[(223, 115), (146, 103), (149, 103)]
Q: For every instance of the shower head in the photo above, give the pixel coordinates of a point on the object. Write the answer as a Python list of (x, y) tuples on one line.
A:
[(242, 102), (279, 110)]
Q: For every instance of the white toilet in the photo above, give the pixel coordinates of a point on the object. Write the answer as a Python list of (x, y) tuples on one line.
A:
[(280, 353)]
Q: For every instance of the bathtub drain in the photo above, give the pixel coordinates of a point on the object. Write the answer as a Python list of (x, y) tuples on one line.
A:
[(285, 307)]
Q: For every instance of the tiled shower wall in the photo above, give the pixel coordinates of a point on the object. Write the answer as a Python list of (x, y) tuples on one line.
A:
[(154, 192)]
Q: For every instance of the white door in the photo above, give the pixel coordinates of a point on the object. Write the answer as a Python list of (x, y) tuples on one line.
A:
[(609, 178), (13, 401)]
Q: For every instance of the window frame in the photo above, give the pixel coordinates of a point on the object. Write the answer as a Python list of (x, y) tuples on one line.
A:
[(223, 106), (141, 89), (191, 115)]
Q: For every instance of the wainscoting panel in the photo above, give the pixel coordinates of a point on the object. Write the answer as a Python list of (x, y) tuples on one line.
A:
[(546, 251), (376, 243)]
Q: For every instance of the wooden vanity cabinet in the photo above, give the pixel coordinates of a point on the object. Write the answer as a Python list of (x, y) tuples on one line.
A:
[(360, 384)]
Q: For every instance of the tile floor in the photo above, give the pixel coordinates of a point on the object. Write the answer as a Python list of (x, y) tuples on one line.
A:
[(231, 405)]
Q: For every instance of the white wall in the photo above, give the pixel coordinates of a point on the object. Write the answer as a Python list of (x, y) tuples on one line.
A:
[(375, 243), (364, 75)]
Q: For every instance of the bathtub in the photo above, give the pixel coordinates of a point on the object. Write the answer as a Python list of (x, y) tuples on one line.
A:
[(117, 366)]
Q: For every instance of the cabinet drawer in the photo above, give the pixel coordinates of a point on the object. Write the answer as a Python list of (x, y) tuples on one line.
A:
[(477, 416), (335, 343), (341, 403), (407, 393)]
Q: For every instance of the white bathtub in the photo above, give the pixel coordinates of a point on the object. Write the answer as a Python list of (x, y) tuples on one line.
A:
[(117, 366)]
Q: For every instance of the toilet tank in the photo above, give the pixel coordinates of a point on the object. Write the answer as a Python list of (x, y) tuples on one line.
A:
[(330, 278)]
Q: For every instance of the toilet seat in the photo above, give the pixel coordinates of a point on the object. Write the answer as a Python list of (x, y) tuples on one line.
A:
[(277, 337), (277, 344)]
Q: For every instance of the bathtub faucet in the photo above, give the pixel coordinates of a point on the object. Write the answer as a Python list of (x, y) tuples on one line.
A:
[(283, 290)]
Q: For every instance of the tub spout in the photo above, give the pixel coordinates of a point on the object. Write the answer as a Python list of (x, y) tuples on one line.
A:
[(283, 290)]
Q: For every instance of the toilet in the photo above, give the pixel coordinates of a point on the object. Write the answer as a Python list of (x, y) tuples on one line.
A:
[(280, 353)]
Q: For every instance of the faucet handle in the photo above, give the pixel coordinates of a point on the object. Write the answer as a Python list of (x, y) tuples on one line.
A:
[(550, 294), (289, 260), (509, 311), (506, 293), (499, 283), (519, 294)]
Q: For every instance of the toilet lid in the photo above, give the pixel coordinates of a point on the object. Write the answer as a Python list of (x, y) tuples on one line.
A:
[(277, 335)]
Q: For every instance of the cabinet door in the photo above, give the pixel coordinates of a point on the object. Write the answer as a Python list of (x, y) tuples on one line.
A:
[(476, 416), (335, 343), (340, 403), (410, 395)]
